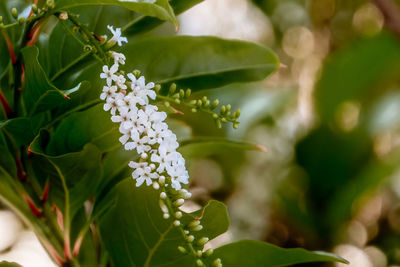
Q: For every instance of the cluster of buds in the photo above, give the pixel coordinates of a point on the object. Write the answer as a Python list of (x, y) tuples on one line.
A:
[(35, 13), (144, 130), (203, 104)]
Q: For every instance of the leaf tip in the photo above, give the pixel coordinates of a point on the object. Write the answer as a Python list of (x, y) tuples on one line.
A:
[(261, 148)]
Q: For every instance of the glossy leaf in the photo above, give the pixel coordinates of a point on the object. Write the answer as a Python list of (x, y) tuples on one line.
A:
[(194, 62), (79, 170), (136, 234), (144, 23), (38, 93), (251, 253), (155, 8), (206, 146)]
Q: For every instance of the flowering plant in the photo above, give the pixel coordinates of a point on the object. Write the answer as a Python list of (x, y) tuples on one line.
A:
[(110, 191)]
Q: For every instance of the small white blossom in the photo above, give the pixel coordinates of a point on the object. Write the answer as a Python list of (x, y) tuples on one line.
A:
[(121, 82), (108, 91), (119, 58), (109, 74), (117, 38)]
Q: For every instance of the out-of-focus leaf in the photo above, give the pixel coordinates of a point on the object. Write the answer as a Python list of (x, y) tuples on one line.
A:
[(206, 146), (194, 62), (155, 8), (136, 234), (20, 128), (354, 73), (144, 23), (251, 253)]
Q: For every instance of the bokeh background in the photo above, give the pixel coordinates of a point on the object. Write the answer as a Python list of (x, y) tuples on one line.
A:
[(329, 119)]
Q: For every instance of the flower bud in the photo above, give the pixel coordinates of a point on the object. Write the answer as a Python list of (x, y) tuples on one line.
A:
[(199, 103), (219, 126), (156, 186), (223, 120), (163, 195), (188, 92), (199, 253), (235, 126), (199, 263), (136, 73), (186, 232), (194, 223), (50, 3), (21, 20), (178, 214), (208, 252), (143, 156), (166, 103), (182, 249), (194, 110), (166, 216), (179, 202), (202, 241), (223, 109), (215, 116), (177, 223), (14, 13), (190, 238), (217, 263), (237, 113), (157, 88), (161, 180), (215, 103), (197, 228), (181, 93), (172, 88), (228, 107)]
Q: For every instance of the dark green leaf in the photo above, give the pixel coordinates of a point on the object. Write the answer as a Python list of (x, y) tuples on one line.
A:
[(158, 8), (136, 234), (144, 23), (206, 146), (20, 129), (194, 62), (38, 93), (251, 253)]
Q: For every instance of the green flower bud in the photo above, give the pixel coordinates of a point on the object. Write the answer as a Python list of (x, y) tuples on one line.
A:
[(199, 103), (188, 92), (223, 109), (235, 126), (219, 126), (228, 107), (204, 98), (199, 253), (176, 95), (166, 216), (172, 89), (14, 13), (194, 223), (177, 223), (223, 120), (206, 103), (190, 238), (166, 103), (178, 101), (237, 113), (215, 103), (157, 87), (194, 110), (199, 263), (182, 249), (193, 102), (181, 93), (21, 20), (217, 263), (215, 116), (178, 214), (179, 202), (137, 73), (208, 252), (197, 228), (50, 3), (202, 241)]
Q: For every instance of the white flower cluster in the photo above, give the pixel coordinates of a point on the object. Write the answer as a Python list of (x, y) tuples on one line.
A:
[(143, 128)]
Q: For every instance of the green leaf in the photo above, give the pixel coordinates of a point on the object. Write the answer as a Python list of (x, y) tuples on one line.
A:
[(251, 253), (155, 8), (89, 126), (80, 170), (20, 129), (206, 146), (38, 93), (135, 233), (194, 62), (144, 24), (355, 73), (9, 264)]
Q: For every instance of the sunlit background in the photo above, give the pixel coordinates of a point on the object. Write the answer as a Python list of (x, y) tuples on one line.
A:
[(329, 179)]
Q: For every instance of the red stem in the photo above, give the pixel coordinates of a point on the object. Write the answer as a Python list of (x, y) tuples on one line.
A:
[(9, 47), (7, 109)]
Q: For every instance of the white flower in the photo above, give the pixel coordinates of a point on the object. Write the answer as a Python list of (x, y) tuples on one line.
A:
[(109, 74), (112, 103), (117, 38), (108, 91), (118, 58), (142, 173), (123, 117), (120, 81), (178, 175)]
